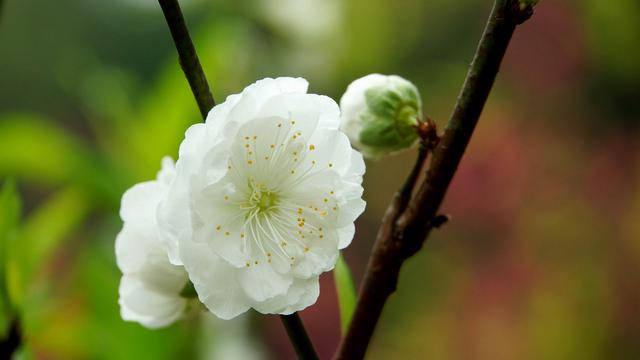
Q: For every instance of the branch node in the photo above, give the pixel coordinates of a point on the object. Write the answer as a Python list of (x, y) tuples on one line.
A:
[(428, 132), (439, 220), (521, 10)]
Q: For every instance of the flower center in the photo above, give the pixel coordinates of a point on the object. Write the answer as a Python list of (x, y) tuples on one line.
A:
[(261, 199)]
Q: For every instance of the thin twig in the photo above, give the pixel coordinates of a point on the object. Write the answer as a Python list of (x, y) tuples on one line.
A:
[(399, 239), (13, 340), (301, 342), (188, 56), (404, 194)]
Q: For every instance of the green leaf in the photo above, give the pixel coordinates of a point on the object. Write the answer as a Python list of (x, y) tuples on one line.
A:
[(49, 225), (346, 292), (24, 252), (10, 208), (36, 150)]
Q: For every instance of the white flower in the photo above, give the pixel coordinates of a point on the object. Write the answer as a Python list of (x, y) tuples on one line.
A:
[(266, 193), (150, 286), (379, 114)]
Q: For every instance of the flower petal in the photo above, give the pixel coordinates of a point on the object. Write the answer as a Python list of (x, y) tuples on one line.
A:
[(261, 282), (142, 304), (214, 280)]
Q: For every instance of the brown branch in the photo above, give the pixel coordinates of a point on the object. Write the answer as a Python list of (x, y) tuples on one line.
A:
[(399, 239), (403, 196), (299, 338), (188, 56)]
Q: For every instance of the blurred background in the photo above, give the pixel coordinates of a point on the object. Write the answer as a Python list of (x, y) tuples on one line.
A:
[(541, 258)]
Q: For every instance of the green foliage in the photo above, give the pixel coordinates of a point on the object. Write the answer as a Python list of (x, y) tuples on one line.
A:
[(36, 150), (10, 208), (44, 230), (614, 33), (346, 292)]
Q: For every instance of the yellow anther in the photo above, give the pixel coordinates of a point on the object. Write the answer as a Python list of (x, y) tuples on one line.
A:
[(312, 147)]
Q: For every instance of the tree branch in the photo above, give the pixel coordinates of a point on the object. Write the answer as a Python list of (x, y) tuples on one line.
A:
[(187, 55), (404, 194), (301, 342), (399, 239)]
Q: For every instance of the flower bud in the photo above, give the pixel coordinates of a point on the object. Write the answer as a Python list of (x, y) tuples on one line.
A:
[(380, 113)]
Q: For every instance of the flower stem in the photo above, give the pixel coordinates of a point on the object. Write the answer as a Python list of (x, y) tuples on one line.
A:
[(187, 55), (404, 231), (299, 338)]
